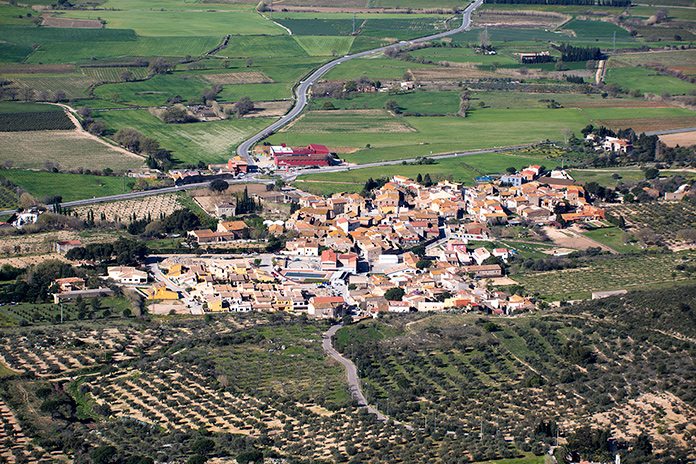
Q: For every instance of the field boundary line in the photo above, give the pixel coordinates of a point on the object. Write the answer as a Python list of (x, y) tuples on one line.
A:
[(80, 130)]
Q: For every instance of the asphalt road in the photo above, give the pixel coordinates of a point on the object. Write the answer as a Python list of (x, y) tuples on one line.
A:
[(352, 376), (146, 193), (301, 93)]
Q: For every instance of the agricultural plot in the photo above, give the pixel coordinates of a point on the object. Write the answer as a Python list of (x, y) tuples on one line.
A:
[(74, 85), (403, 29), (446, 134), (613, 237), (83, 51), (152, 206), (16, 16), (350, 121), (596, 30), (39, 121), (465, 55), (677, 36), (154, 91), (168, 23), (45, 35), (257, 92), (449, 368), (210, 142), (325, 45), (8, 198), (412, 102), (10, 53), (262, 46), (671, 58), (647, 80), (318, 26), (373, 67), (449, 74), (665, 218), (225, 78), (67, 150), (113, 73), (70, 186), (621, 272), (463, 169)]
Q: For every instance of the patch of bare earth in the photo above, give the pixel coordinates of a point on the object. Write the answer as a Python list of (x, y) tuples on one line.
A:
[(450, 73), (683, 139), (649, 124), (53, 21), (618, 103), (251, 77), (520, 19), (269, 109), (568, 239)]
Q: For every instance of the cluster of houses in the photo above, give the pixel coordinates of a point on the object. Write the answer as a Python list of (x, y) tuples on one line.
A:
[(612, 144)]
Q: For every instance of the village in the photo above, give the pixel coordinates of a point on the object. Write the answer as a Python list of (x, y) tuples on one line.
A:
[(405, 247)]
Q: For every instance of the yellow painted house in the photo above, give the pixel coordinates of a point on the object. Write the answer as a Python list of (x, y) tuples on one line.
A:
[(159, 291)]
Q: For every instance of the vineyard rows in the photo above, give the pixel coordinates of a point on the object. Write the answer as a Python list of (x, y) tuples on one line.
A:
[(153, 206), (113, 74), (13, 442), (35, 121)]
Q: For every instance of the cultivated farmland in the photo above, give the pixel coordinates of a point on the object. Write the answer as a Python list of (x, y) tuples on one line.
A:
[(210, 142), (346, 121), (70, 186), (152, 206), (113, 73), (66, 149), (74, 85), (620, 272), (224, 78)]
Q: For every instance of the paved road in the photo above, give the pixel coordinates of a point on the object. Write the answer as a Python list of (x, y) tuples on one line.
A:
[(128, 196), (672, 131), (352, 376), (302, 90)]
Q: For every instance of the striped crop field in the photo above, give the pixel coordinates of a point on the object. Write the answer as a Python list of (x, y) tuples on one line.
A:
[(113, 74)]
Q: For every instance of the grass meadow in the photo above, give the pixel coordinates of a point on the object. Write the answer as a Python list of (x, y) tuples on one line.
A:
[(211, 142), (319, 45), (70, 186), (184, 23), (74, 85), (482, 128), (596, 29), (460, 167), (411, 102), (374, 67), (647, 80), (612, 237), (262, 46), (84, 51)]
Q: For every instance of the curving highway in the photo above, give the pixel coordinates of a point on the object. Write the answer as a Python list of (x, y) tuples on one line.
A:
[(302, 91)]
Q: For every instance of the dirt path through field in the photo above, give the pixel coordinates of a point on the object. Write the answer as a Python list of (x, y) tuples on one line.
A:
[(83, 133)]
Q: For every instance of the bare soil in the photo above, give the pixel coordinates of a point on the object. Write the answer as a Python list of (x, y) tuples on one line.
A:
[(451, 73), (683, 139), (649, 125), (251, 77), (53, 21)]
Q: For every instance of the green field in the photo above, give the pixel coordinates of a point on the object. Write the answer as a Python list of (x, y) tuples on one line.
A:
[(176, 5), (464, 55), (604, 176), (411, 102), (373, 67), (22, 107), (41, 35), (211, 142), (168, 23), (154, 91), (596, 29), (71, 52), (613, 237), (71, 186), (74, 85), (16, 16), (262, 46), (257, 92), (488, 163), (113, 74), (647, 80), (302, 26), (482, 128), (325, 45)]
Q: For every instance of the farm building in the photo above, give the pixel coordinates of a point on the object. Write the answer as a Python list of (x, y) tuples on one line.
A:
[(311, 155), (67, 245)]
